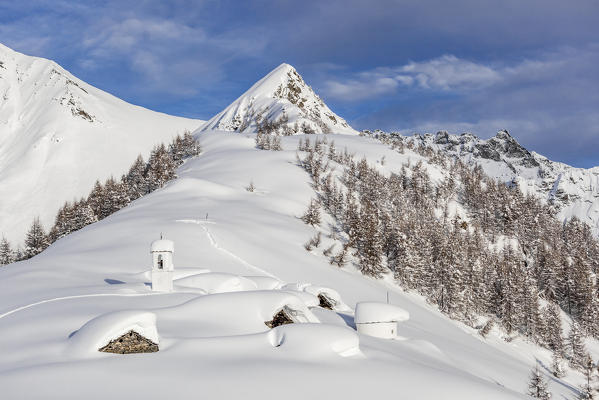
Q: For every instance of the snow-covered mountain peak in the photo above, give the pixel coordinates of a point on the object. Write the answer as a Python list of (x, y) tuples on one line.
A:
[(59, 134), (282, 102)]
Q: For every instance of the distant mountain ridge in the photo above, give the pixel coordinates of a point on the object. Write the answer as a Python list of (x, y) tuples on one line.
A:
[(573, 191)]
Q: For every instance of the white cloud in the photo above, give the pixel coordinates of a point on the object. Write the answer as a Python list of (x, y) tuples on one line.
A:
[(133, 33), (445, 73), (449, 73), (361, 89)]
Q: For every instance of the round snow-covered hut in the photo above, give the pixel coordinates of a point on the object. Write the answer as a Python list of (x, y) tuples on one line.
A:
[(379, 319), (162, 265)]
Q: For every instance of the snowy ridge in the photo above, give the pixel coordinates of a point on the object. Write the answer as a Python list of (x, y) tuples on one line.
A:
[(58, 135), (282, 95), (573, 191)]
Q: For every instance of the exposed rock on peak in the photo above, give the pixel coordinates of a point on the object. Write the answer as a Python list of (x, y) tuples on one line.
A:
[(280, 102)]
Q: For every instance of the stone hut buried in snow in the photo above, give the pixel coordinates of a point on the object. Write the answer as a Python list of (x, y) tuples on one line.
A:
[(379, 319), (162, 265), (129, 343)]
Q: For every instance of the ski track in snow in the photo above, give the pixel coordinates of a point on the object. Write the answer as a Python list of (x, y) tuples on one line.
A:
[(215, 244), (72, 297)]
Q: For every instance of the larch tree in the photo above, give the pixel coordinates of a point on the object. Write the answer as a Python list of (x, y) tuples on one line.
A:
[(577, 350), (135, 180), (553, 337), (160, 168), (537, 385), (6, 254), (36, 239), (587, 392), (312, 214), (557, 365)]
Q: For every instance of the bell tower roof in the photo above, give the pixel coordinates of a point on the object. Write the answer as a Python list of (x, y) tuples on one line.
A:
[(162, 245)]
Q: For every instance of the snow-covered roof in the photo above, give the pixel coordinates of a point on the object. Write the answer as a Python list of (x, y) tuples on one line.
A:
[(162, 245), (371, 312)]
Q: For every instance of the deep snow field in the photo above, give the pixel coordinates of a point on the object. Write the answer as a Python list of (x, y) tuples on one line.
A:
[(239, 257)]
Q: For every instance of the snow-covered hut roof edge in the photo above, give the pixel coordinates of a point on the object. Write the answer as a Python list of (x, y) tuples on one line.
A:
[(371, 312), (162, 245)]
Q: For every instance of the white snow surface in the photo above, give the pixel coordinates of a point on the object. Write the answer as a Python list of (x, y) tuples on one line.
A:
[(217, 282), (234, 271), (59, 134), (281, 92)]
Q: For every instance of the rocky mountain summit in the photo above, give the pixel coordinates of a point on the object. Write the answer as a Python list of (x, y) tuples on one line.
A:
[(280, 102)]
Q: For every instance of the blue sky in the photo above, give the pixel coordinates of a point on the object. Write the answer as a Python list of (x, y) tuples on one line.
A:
[(531, 67)]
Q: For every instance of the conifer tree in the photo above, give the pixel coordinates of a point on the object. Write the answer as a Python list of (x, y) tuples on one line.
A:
[(191, 146), (36, 239), (160, 168), (553, 337), (6, 253), (177, 150), (533, 323), (537, 385), (62, 223), (577, 349), (557, 365), (587, 392), (276, 144), (332, 151), (83, 215), (135, 180), (340, 259), (312, 214), (19, 254), (370, 246), (115, 198), (96, 199)]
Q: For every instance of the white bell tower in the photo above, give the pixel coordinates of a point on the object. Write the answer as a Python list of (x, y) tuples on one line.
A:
[(162, 265)]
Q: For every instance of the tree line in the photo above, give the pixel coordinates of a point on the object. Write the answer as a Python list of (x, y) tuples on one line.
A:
[(508, 263), (105, 199)]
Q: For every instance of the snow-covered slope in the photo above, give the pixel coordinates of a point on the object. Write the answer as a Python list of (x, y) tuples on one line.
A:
[(281, 96), (59, 134), (214, 344), (573, 191)]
